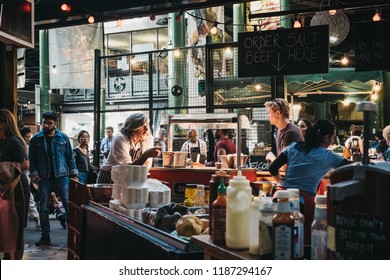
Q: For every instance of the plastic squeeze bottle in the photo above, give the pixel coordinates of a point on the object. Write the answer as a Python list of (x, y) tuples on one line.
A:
[(254, 227), (218, 219), (239, 195)]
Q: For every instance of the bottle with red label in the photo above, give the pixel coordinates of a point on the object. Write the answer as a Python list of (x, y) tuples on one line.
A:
[(218, 218)]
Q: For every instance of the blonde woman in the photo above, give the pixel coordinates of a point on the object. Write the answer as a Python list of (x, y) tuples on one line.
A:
[(386, 136), (12, 204)]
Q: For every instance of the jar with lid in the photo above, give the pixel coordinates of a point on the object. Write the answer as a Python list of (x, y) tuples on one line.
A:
[(190, 191), (283, 228), (239, 196), (267, 212), (200, 199), (319, 233)]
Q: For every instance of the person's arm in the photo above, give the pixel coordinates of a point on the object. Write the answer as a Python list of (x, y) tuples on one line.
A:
[(274, 167), (73, 172), (152, 152)]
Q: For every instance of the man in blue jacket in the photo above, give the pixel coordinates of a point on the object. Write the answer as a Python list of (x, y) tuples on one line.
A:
[(51, 165)]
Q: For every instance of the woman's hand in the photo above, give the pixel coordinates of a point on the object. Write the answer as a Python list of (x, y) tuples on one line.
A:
[(153, 152)]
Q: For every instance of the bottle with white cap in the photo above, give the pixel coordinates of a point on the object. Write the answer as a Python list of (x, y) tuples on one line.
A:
[(299, 223), (283, 228), (239, 196), (319, 234)]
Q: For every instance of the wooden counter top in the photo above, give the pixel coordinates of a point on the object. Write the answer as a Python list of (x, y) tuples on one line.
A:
[(220, 252)]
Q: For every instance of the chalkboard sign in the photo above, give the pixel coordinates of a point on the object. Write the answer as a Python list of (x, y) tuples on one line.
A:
[(372, 45), (284, 52), (258, 162), (361, 237)]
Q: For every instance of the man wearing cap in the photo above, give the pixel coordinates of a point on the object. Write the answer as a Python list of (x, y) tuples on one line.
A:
[(132, 145), (51, 162)]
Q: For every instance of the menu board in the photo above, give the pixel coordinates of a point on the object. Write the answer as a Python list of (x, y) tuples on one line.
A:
[(290, 51), (372, 45), (362, 237)]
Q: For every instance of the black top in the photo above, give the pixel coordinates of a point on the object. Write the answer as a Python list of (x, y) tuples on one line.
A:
[(82, 160), (12, 149)]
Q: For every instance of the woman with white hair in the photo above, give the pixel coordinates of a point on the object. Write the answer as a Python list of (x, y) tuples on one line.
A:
[(131, 145), (386, 136)]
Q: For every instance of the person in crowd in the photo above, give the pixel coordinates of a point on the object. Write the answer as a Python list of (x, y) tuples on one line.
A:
[(133, 145), (33, 214), (386, 136), (12, 204), (355, 143), (162, 139), (223, 146), (381, 145), (304, 124), (278, 112), (307, 163), (194, 145), (52, 162), (82, 159), (105, 146)]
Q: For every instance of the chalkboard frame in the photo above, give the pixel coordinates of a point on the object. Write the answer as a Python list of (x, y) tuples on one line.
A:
[(290, 51)]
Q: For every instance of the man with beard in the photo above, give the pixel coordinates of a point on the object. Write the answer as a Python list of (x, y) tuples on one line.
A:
[(51, 162), (194, 145)]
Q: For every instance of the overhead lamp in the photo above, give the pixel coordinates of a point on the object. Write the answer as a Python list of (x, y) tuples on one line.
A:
[(119, 22), (332, 12), (374, 97), (54, 69), (65, 7), (377, 87), (297, 24), (91, 19), (378, 15), (176, 53), (344, 60), (152, 17)]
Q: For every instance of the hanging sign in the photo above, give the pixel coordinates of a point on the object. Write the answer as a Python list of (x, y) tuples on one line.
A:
[(284, 52), (372, 45)]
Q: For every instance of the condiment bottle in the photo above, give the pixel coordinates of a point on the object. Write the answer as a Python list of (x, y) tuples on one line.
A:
[(319, 233), (254, 227), (218, 219), (239, 195), (267, 212), (283, 228), (213, 192), (299, 223)]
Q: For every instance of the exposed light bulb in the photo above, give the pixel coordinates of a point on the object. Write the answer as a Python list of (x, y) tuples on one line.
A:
[(374, 97), (344, 60), (332, 12), (152, 17), (297, 24), (214, 30), (178, 17), (91, 19), (377, 16), (377, 87), (54, 69), (65, 7), (119, 22), (176, 53), (257, 87)]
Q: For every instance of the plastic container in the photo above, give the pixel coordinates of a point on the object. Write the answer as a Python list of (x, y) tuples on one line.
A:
[(319, 234), (267, 212), (299, 223), (283, 228), (239, 195), (200, 199), (254, 227), (218, 220)]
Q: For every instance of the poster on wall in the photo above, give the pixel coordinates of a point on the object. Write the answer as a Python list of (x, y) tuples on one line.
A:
[(200, 24)]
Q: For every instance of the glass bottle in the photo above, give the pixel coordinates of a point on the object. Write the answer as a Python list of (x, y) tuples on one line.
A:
[(218, 219), (319, 233), (239, 196), (283, 228), (213, 192), (200, 199), (299, 223)]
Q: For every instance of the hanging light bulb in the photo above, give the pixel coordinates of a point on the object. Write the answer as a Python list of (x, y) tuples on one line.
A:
[(65, 7), (374, 97), (178, 16), (54, 69), (344, 60), (297, 24), (332, 12), (119, 22), (377, 87), (152, 17), (214, 29), (377, 16), (91, 19)]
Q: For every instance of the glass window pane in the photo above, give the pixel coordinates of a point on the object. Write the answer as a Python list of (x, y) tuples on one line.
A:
[(118, 43)]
